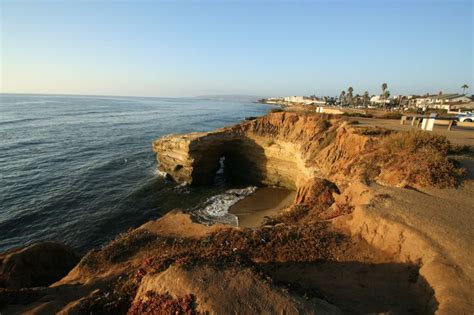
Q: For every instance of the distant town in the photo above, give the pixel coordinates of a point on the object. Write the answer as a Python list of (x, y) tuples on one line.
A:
[(384, 100)]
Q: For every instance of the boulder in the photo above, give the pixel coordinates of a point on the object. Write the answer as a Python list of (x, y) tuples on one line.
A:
[(39, 264)]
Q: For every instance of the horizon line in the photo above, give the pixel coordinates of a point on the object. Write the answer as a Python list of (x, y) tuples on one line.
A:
[(109, 95)]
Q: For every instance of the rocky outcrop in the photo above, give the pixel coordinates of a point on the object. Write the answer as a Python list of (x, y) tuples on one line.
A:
[(321, 157), (273, 150), (36, 265), (289, 149), (176, 265), (228, 290)]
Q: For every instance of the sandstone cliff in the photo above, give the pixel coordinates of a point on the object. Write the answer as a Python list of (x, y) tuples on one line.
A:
[(289, 149), (330, 252)]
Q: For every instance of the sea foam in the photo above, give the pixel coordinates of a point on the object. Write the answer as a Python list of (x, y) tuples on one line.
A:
[(216, 208)]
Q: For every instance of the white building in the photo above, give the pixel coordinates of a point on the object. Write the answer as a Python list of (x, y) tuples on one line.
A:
[(377, 99), (443, 101), (298, 99)]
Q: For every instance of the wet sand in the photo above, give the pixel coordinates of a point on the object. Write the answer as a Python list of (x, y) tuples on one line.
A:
[(266, 201)]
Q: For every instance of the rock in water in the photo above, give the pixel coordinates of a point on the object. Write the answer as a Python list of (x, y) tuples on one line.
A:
[(36, 265)]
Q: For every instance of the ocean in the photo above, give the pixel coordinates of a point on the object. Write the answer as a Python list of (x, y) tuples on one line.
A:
[(81, 170)]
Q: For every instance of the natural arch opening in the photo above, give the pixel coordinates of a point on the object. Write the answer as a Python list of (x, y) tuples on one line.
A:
[(240, 162)]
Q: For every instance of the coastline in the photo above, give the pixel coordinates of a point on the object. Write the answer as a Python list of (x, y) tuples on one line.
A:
[(333, 221)]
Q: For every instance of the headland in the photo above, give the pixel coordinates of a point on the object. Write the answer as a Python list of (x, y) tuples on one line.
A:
[(380, 222)]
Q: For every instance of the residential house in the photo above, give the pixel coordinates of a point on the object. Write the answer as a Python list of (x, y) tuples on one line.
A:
[(441, 101)]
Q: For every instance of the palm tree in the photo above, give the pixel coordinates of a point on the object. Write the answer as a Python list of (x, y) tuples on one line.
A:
[(384, 92), (366, 98), (464, 88), (349, 95), (342, 97)]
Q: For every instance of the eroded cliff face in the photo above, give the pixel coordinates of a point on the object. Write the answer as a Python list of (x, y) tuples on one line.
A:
[(330, 241), (278, 149), (290, 149), (331, 164)]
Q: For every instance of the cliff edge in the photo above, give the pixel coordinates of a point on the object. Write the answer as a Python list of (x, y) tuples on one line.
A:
[(352, 242)]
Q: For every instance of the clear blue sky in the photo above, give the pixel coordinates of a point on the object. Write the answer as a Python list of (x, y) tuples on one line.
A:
[(187, 48)]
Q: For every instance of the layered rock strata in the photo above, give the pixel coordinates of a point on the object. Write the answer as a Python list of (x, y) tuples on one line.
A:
[(290, 149)]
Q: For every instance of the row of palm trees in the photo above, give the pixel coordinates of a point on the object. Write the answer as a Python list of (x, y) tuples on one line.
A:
[(349, 99)]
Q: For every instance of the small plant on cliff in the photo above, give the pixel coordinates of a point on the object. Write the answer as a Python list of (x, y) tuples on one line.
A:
[(276, 110)]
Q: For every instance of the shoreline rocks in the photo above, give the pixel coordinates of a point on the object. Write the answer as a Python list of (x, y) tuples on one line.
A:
[(36, 265)]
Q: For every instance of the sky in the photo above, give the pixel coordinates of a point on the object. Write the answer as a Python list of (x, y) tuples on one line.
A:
[(265, 48)]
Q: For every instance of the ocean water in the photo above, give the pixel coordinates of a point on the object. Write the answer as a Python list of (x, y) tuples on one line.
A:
[(80, 169)]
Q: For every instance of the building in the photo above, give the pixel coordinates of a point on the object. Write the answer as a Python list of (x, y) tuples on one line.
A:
[(378, 100), (441, 101), (299, 99)]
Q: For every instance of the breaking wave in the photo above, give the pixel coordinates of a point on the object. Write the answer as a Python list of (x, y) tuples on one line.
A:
[(216, 208), (159, 173)]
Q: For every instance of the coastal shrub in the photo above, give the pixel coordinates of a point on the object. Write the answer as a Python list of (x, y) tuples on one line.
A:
[(276, 110), (373, 131), (416, 141), (420, 158), (323, 124)]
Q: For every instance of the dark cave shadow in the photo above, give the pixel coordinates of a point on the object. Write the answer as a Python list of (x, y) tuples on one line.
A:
[(358, 288), (243, 164)]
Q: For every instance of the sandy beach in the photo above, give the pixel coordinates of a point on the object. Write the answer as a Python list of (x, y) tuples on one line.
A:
[(266, 201)]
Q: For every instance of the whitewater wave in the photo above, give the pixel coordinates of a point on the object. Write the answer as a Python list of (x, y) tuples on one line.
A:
[(159, 173), (216, 208)]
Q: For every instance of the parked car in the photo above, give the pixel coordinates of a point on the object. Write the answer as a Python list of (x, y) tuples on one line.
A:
[(465, 117)]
